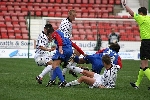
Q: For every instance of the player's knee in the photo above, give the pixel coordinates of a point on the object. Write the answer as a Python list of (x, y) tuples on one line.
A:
[(49, 63), (76, 59), (65, 65), (85, 72), (82, 77)]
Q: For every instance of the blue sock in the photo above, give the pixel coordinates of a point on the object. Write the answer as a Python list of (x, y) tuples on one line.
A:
[(54, 75), (59, 74)]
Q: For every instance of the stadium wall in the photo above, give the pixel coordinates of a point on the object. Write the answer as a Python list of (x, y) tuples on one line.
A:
[(23, 53), (145, 3), (19, 48)]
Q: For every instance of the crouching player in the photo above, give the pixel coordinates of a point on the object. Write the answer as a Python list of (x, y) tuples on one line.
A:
[(41, 57), (106, 80)]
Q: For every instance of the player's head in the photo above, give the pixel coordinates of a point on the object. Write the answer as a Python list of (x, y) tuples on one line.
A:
[(142, 11), (46, 27), (49, 32), (106, 59), (72, 15), (113, 30), (115, 47)]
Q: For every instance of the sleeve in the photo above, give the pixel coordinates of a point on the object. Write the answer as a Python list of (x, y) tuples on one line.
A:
[(65, 27), (42, 41), (58, 38), (111, 81), (109, 35), (77, 48), (119, 62), (100, 51), (139, 18)]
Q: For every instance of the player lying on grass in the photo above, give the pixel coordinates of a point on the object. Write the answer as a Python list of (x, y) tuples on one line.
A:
[(96, 59), (106, 80), (41, 57)]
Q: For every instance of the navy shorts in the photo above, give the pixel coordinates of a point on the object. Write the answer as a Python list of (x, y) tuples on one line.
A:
[(67, 53), (96, 61), (145, 49)]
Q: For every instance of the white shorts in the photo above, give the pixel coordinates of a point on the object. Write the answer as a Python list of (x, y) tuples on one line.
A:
[(42, 59), (98, 80)]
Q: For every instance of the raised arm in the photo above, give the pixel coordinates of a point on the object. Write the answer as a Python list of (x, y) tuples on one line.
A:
[(127, 8)]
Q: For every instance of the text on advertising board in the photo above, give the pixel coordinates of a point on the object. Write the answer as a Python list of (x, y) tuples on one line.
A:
[(19, 44)]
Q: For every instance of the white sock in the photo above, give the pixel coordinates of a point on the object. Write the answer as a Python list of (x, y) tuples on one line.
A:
[(75, 69), (75, 82), (50, 74), (64, 71), (70, 64), (46, 70), (74, 64)]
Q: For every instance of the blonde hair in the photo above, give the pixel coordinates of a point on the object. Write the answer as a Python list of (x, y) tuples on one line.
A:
[(71, 11)]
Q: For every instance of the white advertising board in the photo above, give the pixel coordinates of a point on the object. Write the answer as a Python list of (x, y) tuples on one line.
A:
[(16, 53), (125, 46), (19, 53), (23, 53), (16, 44)]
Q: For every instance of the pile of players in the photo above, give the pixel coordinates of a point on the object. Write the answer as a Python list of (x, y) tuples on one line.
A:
[(107, 58)]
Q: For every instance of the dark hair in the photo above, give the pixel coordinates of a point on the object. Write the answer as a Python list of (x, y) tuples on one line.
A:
[(50, 30), (106, 59), (115, 47), (48, 26), (142, 10)]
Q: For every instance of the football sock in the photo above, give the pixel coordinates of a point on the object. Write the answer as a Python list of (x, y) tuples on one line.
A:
[(76, 69), (75, 82), (147, 73), (140, 77), (50, 74), (59, 74), (74, 64), (54, 75), (46, 70), (70, 64), (64, 71)]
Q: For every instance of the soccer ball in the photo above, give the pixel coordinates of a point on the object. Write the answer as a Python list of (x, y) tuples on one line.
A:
[(40, 61)]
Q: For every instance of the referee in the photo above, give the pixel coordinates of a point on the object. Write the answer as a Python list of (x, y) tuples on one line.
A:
[(143, 21)]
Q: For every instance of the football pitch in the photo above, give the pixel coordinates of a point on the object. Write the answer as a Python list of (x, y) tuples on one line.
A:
[(17, 82)]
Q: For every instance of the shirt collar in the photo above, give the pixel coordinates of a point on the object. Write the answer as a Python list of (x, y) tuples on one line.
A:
[(69, 19), (43, 32), (110, 67)]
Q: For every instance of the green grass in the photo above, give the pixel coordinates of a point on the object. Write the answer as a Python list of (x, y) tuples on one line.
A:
[(17, 82)]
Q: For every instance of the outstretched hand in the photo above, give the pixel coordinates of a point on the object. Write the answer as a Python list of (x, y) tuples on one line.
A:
[(60, 50), (53, 48), (85, 55)]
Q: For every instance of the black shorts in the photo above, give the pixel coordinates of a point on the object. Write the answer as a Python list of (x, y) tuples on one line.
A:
[(145, 49)]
